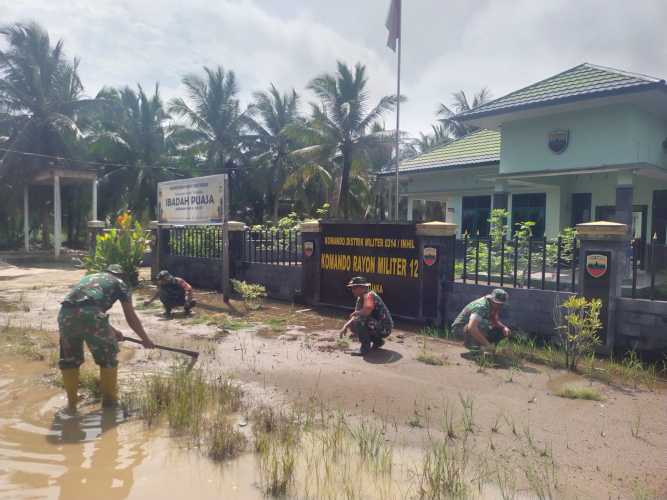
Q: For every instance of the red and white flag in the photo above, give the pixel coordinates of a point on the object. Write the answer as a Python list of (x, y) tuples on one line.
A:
[(393, 24)]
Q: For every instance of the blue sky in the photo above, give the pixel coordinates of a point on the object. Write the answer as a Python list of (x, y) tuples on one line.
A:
[(448, 44)]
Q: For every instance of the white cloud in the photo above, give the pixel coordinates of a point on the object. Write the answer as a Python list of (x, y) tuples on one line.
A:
[(448, 44)]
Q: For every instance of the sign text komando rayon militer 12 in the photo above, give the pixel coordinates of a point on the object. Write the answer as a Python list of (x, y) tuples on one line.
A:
[(199, 200), (386, 254)]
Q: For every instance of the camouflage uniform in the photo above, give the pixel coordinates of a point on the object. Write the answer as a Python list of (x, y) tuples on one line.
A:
[(487, 323), (375, 326), (173, 294), (83, 317)]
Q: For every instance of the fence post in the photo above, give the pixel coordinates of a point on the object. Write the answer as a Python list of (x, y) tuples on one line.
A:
[(236, 230), (602, 258), (436, 242), (95, 228), (163, 247), (155, 254), (311, 246)]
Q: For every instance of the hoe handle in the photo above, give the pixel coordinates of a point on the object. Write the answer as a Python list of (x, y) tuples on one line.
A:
[(192, 354)]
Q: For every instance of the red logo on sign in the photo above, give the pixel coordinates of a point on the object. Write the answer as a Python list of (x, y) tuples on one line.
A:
[(308, 248)]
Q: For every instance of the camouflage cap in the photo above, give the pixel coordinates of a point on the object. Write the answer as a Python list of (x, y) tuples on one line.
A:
[(499, 296), (115, 269), (358, 281)]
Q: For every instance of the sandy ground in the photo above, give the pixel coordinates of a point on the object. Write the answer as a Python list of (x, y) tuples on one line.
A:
[(592, 443)]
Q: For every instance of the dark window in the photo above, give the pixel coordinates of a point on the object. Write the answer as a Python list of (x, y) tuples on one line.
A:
[(475, 216), (581, 208), (530, 207), (660, 216)]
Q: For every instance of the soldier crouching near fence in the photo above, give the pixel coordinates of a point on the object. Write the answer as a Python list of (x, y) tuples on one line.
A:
[(173, 292), (83, 317), (479, 322), (371, 320)]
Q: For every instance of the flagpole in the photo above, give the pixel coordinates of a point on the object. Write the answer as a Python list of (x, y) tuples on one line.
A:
[(398, 103)]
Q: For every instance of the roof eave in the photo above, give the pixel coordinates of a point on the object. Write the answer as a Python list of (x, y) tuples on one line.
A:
[(660, 85), (440, 167)]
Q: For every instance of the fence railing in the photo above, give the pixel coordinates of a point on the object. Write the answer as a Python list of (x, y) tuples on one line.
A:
[(648, 259), (204, 242), (272, 246), (517, 262)]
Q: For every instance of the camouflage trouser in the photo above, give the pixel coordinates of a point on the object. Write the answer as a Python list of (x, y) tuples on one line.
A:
[(368, 329), (89, 324), (493, 335)]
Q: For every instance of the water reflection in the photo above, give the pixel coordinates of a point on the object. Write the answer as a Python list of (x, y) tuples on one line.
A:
[(96, 458)]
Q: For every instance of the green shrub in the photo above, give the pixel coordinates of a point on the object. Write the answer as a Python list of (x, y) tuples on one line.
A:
[(578, 328), (251, 293), (124, 245)]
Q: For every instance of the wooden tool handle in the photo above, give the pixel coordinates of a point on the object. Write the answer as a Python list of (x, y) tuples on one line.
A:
[(193, 354)]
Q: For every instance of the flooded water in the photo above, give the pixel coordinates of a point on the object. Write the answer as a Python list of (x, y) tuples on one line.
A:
[(97, 454)]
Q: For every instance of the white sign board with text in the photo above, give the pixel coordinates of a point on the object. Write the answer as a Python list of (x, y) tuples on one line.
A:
[(199, 200)]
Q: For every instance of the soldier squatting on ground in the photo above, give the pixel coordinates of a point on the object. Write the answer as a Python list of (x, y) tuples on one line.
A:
[(83, 318), (479, 322), (371, 321), (173, 292)]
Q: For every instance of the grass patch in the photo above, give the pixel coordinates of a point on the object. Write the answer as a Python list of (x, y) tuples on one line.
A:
[(430, 359), (194, 407), (276, 324), (443, 471), (28, 343), (436, 333), (587, 393), (629, 370)]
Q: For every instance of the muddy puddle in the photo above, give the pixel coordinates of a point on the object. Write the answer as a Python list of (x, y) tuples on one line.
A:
[(98, 454)]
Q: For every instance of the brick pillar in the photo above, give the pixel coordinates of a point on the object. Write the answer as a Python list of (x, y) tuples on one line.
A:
[(311, 241), (436, 242), (236, 238), (602, 253), (95, 228)]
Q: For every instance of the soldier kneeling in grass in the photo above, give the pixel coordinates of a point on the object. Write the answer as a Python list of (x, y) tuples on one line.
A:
[(479, 322), (371, 320), (173, 292)]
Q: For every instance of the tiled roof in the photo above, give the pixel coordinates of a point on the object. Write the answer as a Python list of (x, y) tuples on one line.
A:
[(581, 82), (478, 148)]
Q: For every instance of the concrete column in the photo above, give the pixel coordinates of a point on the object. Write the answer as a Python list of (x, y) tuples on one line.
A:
[(311, 240), (410, 208), (57, 216), (95, 228), (236, 232), (93, 212), (26, 218), (602, 254), (438, 238)]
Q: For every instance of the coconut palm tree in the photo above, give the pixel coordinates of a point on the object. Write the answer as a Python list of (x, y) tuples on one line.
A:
[(277, 116), (447, 114), (40, 96), (131, 133), (216, 121), (340, 127), (428, 142)]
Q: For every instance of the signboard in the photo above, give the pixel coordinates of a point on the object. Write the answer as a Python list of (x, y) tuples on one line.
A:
[(386, 254), (199, 200)]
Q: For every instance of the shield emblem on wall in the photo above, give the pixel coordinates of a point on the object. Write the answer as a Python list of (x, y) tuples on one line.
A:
[(430, 255), (308, 248), (558, 140), (596, 265)]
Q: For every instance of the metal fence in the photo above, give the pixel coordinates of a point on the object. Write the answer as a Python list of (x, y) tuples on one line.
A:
[(648, 259), (204, 242), (517, 262), (272, 246)]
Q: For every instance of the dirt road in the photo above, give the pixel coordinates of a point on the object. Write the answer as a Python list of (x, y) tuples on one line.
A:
[(288, 354)]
